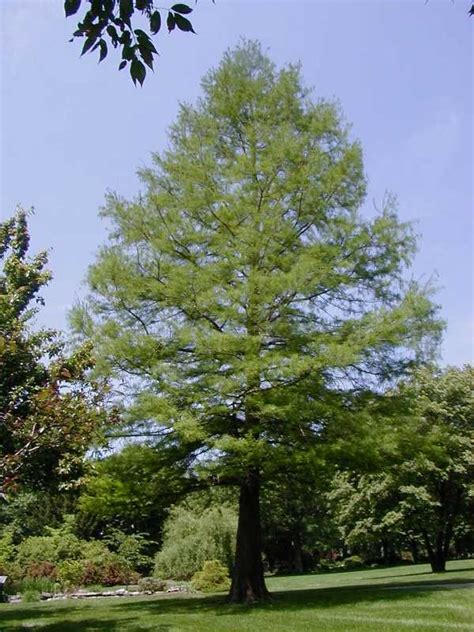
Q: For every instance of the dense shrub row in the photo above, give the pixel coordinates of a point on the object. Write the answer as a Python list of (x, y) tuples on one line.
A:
[(63, 558)]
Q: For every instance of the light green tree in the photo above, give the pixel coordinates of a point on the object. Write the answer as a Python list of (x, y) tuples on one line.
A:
[(242, 290)]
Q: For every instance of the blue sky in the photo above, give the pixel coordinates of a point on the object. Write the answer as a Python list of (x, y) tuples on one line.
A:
[(402, 70)]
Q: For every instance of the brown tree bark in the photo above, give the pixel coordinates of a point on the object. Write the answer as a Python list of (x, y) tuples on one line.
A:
[(248, 582)]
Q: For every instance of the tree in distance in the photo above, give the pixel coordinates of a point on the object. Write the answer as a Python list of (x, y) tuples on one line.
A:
[(243, 293), (422, 491)]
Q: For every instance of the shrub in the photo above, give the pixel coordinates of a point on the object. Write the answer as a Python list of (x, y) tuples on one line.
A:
[(7, 547), (152, 584), (212, 578), (52, 548), (115, 573), (42, 569), (39, 584), (93, 573), (30, 596), (354, 561), (71, 573), (131, 548)]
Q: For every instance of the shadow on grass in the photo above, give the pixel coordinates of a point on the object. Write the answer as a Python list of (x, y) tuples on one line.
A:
[(289, 600), (439, 576), (84, 625), (140, 614)]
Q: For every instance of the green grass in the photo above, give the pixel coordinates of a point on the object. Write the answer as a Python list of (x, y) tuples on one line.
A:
[(381, 600)]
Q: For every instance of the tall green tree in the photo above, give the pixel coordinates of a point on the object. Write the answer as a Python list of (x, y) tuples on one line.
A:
[(48, 410), (243, 289)]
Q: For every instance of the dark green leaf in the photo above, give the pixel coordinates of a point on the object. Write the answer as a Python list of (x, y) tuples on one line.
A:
[(141, 5), (123, 64), (128, 52), (148, 44), (112, 31), (147, 57), (89, 43), (181, 8), (103, 50), (155, 22), (170, 21), (125, 38), (126, 10), (183, 23), (140, 34), (137, 72), (71, 7)]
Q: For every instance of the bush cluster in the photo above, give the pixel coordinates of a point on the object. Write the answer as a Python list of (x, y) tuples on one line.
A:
[(68, 562)]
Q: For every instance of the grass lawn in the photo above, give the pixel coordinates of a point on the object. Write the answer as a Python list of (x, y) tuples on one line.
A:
[(383, 600)]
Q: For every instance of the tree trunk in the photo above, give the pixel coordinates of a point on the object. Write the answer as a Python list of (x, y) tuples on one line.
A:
[(297, 553), (248, 583), (436, 555)]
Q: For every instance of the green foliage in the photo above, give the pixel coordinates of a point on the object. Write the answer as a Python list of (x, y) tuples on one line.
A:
[(194, 534), (243, 295), (49, 413), (130, 490), (354, 561), (296, 521), (30, 596), (28, 512), (131, 548), (111, 22), (7, 547), (152, 584), (213, 577), (70, 574), (423, 491), (52, 548), (244, 281)]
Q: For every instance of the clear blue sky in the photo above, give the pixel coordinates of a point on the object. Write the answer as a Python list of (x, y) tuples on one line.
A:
[(403, 71)]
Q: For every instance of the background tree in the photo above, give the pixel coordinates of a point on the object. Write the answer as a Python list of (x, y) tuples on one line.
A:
[(423, 494), (132, 490), (436, 479), (296, 522), (49, 412), (243, 291)]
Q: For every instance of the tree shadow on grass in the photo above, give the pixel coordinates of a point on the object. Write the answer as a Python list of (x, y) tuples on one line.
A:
[(84, 625), (438, 576), (291, 600), (133, 615)]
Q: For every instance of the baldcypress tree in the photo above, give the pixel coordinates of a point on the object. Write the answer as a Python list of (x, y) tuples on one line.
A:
[(243, 289)]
